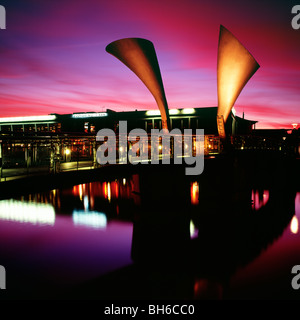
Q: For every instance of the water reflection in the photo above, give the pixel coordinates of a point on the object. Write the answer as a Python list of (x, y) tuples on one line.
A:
[(235, 236), (177, 238), (195, 193), (27, 212), (112, 199), (92, 219), (208, 239), (294, 225), (259, 198), (193, 230)]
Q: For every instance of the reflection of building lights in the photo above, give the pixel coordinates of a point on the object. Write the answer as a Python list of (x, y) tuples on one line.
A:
[(117, 189), (86, 203), (294, 225), (207, 289), (195, 193), (105, 189), (193, 230), (259, 199), (92, 219), (108, 191), (80, 191), (36, 213)]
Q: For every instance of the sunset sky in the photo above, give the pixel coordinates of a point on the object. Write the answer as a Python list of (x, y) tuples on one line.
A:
[(53, 57)]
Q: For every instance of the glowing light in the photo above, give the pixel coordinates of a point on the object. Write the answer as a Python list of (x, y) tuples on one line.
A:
[(86, 203), (105, 189), (188, 111), (124, 181), (295, 125), (174, 111), (294, 225), (27, 212), (30, 118), (108, 191), (117, 189), (153, 113), (80, 192), (92, 219), (193, 230), (67, 151), (195, 193), (89, 115)]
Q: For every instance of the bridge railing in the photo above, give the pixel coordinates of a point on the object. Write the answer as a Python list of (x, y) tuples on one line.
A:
[(22, 155)]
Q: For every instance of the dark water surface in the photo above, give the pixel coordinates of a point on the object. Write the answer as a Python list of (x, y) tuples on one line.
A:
[(130, 238)]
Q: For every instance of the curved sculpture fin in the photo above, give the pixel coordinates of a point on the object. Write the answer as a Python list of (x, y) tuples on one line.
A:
[(235, 67), (140, 57)]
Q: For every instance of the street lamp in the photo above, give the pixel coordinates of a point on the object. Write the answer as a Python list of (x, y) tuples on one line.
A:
[(67, 154)]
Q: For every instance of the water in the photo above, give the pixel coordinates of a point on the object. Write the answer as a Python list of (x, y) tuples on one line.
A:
[(269, 274), (113, 239), (63, 237)]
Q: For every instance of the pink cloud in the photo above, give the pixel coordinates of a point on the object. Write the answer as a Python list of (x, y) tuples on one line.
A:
[(53, 55)]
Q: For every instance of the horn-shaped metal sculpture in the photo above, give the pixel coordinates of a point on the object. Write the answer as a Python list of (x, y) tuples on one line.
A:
[(140, 57), (235, 67)]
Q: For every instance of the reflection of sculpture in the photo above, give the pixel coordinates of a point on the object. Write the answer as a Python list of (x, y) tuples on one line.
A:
[(140, 57), (235, 67)]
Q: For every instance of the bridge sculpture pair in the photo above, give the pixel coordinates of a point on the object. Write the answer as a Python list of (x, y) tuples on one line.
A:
[(234, 68)]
